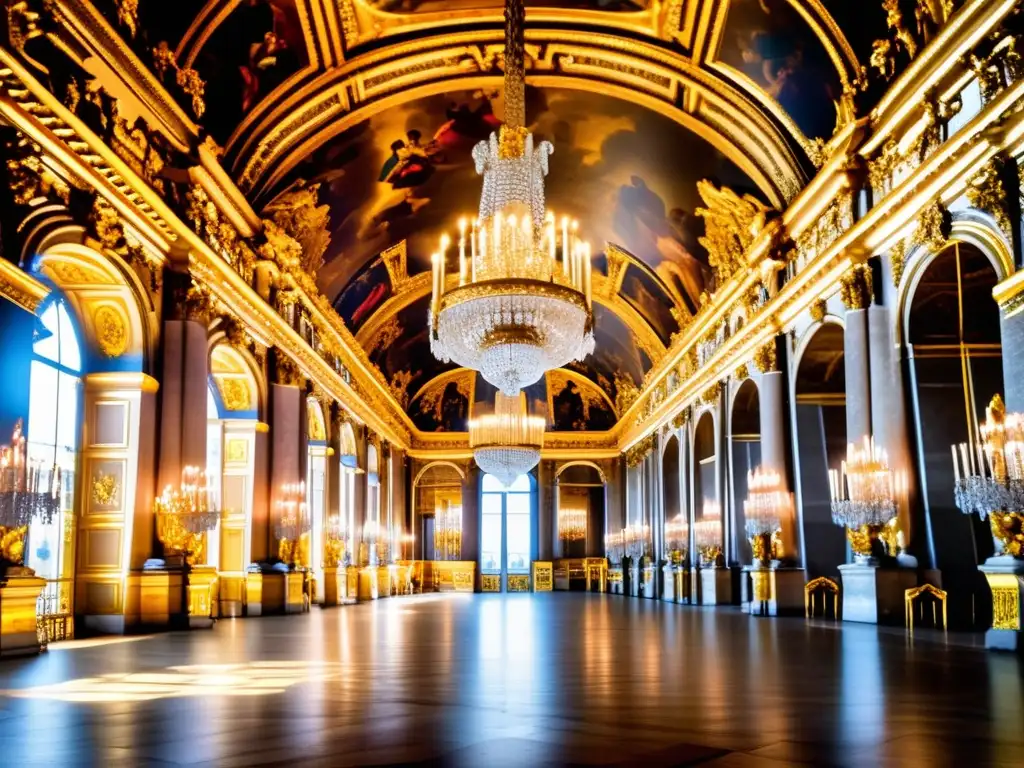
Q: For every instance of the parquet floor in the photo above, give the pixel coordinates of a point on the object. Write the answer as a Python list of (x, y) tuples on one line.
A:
[(520, 680)]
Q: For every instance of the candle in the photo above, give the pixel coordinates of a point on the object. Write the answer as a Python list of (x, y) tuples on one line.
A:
[(565, 246), (462, 251), (586, 274), (956, 469), (981, 459), (435, 273)]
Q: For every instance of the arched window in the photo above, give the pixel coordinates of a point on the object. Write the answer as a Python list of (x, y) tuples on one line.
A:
[(52, 439), (506, 529)]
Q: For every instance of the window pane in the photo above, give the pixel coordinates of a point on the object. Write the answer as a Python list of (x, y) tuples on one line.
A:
[(492, 484), (521, 484), (42, 412), (519, 504), (518, 543), (46, 344), (492, 503), (67, 411), (490, 543), (70, 356)]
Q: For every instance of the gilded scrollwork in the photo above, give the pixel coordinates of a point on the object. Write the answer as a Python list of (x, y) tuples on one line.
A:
[(856, 287), (933, 227), (818, 310), (731, 223), (635, 456), (105, 488), (986, 192), (626, 392), (766, 357), (296, 213), (898, 261), (29, 177)]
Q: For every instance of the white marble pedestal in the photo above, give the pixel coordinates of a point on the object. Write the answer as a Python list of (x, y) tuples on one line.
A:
[(1005, 576), (875, 595), (776, 591), (716, 586)]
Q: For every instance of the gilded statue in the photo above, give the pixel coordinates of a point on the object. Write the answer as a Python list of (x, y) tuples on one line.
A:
[(731, 223)]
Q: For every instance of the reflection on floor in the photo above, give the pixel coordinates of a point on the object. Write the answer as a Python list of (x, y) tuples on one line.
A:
[(531, 680)]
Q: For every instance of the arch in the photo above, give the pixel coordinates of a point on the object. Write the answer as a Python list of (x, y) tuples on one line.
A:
[(671, 462), (705, 458), (347, 440), (105, 302), (808, 335), (952, 336), (819, 430), (316, 424), (973, 229), (754, 134), (581, 463), (745, 455), (238, 382)]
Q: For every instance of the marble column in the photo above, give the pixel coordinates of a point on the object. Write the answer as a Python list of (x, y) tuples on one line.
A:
[(359, 501), (185, 387), (115, 533), (856, 360), (656, 504), (287, 447), (260, 533), (557, 545), (773, 409), (546, 528), (888, 411), (471, 517), (615, 497)]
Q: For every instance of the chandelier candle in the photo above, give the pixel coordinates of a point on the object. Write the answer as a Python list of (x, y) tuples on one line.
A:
[(709, 533), (863, 492), (507, 443), (521, 304)]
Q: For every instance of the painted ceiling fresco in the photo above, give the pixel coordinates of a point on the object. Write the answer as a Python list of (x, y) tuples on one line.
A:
[(768, 42), (628, 174), (254, 50)]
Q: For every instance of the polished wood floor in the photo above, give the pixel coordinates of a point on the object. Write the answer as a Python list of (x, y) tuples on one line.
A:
[(519, 680)]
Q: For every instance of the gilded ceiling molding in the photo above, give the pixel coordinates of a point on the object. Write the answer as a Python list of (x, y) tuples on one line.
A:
[(644, 73), (21, 288)]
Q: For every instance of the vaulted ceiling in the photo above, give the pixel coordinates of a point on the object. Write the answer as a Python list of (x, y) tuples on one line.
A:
[(378, 102)]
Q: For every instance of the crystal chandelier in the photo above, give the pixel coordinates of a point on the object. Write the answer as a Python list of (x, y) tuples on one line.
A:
[(766, 504), (615, 546), (507, 443), (28, 490), (989, 476), (572, 521), (521, 303), (448, 532), (635, 540), (863, 489), (709, 533), (677, 536)]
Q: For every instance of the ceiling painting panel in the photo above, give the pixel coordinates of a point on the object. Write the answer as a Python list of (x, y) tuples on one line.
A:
[(774, 47)]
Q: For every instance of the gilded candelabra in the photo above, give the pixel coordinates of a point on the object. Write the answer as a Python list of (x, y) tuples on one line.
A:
[(989, 476), (293, 524), (766, 505), (677, 536), (708, 533), (636, 540), (864, 491), (184, 516), (334, 542), (28, 491), (448, 532)]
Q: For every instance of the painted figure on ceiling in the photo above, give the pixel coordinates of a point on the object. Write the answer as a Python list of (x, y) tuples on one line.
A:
[(568, 408)]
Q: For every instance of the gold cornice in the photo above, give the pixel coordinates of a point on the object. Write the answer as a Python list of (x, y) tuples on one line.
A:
[(943, 175), (96, 35), (122, 381), (40, 114), (20, 287)]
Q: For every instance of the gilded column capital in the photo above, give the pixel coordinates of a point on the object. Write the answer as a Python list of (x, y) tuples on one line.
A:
[(856, 287), (933, 227), (287, 373), (766, 358)]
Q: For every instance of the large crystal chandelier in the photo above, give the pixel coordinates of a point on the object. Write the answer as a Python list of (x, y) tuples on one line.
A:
[(521, 304), (507, 443)]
